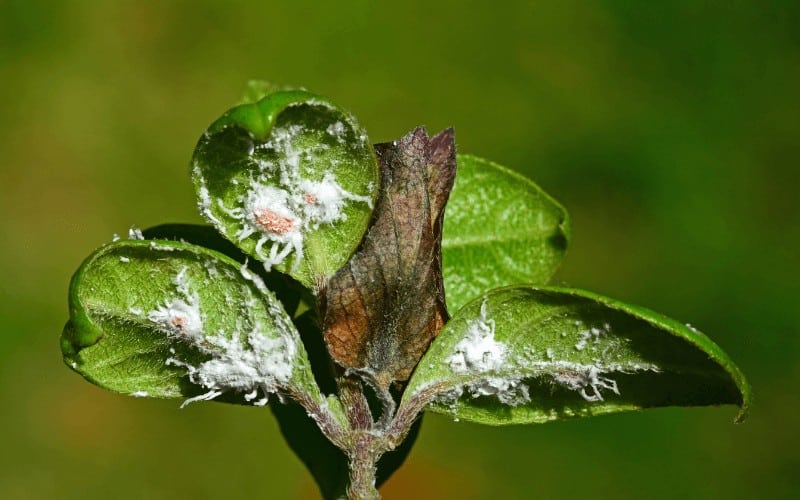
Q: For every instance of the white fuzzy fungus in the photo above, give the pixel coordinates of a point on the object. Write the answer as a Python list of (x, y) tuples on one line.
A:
[(256, 363), (282, 213), (261, 364), (478, 351), (593, 334), (480, 354), (587, 380), (337, 130), (181, 315)]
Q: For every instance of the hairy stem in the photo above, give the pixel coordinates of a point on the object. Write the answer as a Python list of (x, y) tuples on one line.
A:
[(330, 426), (362, 461)]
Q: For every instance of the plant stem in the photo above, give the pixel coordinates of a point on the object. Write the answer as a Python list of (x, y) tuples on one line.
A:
[(363, 459)]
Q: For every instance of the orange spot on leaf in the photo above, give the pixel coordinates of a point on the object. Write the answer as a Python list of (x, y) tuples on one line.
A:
[(275, 223)]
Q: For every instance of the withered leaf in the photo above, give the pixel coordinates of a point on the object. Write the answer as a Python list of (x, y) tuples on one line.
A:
[(386, 305)]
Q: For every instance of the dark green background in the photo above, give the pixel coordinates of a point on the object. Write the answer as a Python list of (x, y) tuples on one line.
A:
[(669, 130)]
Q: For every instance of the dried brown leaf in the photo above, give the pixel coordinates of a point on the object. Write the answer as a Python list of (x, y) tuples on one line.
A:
[(386, 305)]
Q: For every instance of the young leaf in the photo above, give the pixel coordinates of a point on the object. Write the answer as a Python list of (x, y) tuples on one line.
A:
[(499, 229), (289, 179), (528, 355), (386, 305), (168, 319), (255, 90)]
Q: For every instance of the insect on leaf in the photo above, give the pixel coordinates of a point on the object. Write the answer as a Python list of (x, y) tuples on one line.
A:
[(168, 319), (531, 355), (291, 180)]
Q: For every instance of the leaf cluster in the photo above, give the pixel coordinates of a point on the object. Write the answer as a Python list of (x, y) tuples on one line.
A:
[(354, 286)]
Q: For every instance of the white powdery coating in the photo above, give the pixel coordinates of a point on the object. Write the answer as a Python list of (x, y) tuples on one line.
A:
[(479, 353), (593, 334), (587, 380), (135, 233), (270, 211), (259, 364), (162, 248), (282, 215), (323, 201), (181, 315), (140, 394), (336, 130), (204, 198)]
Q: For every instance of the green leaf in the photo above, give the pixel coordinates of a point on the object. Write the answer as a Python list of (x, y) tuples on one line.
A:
[(528, 355), (169, 319), (291, 180), (499, 229), (255, 90), (291, 293)]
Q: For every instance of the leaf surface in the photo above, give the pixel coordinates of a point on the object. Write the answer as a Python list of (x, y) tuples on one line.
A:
[(288, 291), (532, 355), (499, 229), (291, 180), (169, 319), (387, 303)]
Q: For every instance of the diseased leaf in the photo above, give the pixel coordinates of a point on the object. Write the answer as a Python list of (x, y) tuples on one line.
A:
[(196, 234), (528, 355), (387, 303), (325, 461), (289, 292), (289, 179), (169, 319), (499, 229)]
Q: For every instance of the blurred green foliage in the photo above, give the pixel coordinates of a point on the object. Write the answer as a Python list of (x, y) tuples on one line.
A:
[(669, 129)]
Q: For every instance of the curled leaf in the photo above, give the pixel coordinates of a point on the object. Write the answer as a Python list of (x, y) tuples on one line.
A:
[(291, 180), (387, 304), (531, 355), (292, 294), (168, 319)]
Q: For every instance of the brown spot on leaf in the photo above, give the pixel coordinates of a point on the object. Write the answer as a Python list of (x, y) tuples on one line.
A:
[(387, 304), (179, 322)]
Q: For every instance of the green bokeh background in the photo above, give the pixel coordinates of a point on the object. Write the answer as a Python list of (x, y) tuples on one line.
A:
[(670, 130)]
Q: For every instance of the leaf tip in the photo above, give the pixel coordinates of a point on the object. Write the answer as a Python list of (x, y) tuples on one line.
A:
[(76, 337), (747, 399)]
